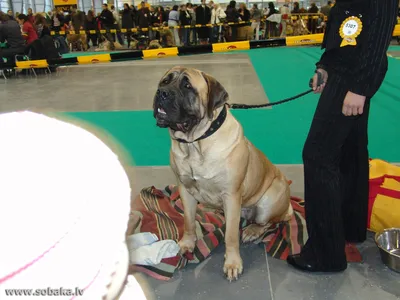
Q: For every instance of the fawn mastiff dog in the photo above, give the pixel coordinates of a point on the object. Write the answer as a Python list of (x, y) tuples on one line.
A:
[(215, 164)]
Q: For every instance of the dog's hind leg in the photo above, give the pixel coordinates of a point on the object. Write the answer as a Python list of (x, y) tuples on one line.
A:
[(273, 207)]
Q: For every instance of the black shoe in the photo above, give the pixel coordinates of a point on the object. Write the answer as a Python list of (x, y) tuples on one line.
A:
[(300, 263)]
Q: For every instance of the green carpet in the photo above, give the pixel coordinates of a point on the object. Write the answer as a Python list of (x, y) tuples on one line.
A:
[(279, 132), (76, 54)]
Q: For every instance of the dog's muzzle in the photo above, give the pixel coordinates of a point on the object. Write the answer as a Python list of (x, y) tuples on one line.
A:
[(162, 100)]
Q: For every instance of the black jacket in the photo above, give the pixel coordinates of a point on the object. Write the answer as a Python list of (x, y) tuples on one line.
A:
[(185, 18), (232, 15), (10, 31), (128, 18), (203, 15), (365, 64), (106, 18)]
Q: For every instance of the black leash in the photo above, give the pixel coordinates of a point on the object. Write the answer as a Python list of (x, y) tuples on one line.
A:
[(245, 106)]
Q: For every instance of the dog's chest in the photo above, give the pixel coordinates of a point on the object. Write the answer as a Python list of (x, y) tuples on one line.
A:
[(203, 179)]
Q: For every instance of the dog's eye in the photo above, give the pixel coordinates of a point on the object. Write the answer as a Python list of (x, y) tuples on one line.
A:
[(188, 86), (165, 81)]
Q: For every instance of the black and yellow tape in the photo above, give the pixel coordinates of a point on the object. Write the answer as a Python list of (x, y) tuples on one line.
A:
[(135, 30), (313, 39)]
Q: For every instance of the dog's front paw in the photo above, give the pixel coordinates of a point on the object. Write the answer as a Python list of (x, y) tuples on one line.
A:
[(187, 244), (233, 266)]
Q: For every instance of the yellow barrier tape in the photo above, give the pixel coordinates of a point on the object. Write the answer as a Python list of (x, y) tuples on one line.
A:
[(92, 59), (300, 40), (152, 53), (233, 46), (146, 29), (32, 64)]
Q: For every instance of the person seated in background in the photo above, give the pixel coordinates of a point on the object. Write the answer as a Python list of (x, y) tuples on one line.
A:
[(10, 32), (28, 31), (41, 26)]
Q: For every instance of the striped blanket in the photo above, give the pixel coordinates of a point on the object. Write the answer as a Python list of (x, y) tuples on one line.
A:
[(161, 212)]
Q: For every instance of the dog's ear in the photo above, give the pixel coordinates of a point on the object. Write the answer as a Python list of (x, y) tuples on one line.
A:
[(217, 95)]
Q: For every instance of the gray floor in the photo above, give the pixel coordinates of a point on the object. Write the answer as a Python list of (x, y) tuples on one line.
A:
[(265, 277), (126, 85), (130, 86)]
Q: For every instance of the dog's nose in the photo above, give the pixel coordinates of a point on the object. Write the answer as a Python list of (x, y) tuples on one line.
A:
[(163, 94)]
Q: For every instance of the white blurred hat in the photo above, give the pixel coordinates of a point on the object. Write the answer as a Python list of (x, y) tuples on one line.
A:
[(64, 208)]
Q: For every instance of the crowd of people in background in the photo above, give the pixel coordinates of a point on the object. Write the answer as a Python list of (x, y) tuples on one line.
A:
[(184, 25)]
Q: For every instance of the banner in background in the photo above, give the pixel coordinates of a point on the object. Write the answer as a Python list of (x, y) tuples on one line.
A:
[(65, 3)]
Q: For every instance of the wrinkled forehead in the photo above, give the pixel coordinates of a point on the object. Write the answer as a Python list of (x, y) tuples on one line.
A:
[(193, 76)]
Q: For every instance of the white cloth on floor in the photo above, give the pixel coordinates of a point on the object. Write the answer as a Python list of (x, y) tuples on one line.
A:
[(144, 249), (137, 240)]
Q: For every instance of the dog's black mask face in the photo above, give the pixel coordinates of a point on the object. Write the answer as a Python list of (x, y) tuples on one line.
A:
[(176, 103)]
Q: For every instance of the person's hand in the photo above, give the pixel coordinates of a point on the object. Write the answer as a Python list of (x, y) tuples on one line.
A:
[(318, 89), (353, 104)]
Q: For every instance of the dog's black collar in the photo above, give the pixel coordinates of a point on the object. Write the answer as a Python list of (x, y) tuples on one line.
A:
[(215, 125)]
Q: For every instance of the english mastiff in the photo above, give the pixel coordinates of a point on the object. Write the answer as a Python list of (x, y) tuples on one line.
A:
[(215, 164)]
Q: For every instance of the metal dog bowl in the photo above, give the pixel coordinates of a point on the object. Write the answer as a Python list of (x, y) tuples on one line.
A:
[(388, 242)]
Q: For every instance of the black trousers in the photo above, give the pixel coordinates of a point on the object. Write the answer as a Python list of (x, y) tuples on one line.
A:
[(93, 39), (336, 173)]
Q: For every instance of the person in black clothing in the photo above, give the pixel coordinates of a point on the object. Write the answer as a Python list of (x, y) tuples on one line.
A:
[(128, 22), (272, 27), (10, 32), (134, 12), (91, 24), (203, 17), (296, 8), (143, 17), (244, 14), (335, 154), (232, 15), (312, 23), (107, 22), (186, 20)]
